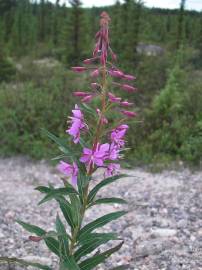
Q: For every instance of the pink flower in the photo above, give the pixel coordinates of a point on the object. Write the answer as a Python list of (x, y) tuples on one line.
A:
[(69, 170), (129, 77), (113, 153), (77, 124), (113, 98), (79, 69), (112, 169), (129, 113), (118, 134), (95, 157)]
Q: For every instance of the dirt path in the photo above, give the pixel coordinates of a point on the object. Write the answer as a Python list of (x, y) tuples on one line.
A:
[(163, 230)]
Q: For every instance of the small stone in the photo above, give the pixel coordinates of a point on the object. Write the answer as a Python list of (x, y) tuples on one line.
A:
[(161, 232), (1, 235)]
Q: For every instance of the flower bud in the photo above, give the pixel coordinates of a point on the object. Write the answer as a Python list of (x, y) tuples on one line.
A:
[(113, 98), (126, 103), (95, 86), (129, 77), (116, 73), (87, 98), (114, 56), (95, 73), (79, 69), (89, 61), (129, 113), (35, 238), (128, 88), (80, 94)]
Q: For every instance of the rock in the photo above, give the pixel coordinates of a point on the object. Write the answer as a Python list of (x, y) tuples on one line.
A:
[(1, 235), (161, 232), (151, 247)]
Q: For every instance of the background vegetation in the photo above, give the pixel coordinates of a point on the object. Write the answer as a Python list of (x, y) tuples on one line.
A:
[(40, 40)]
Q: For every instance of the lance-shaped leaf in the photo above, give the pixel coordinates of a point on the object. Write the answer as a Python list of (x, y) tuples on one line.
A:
[(97, 236), (62, 144), (32, 228), (23, 263), (92, 262), (108, 200), (82, 182), (100, 222), (57, 193), (103, 183), (76, 209), (66, 209), (88, 109), (43, 189), (63, 238), (89, 247), (69, 264), (51, 243)]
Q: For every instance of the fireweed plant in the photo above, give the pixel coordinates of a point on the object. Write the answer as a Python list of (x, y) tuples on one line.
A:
[(98, 144)]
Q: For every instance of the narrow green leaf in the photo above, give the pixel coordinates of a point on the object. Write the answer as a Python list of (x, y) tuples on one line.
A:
[(76, 209), (100, 222), (43, 189), (92, 262), (32, 228), (55, 193), (66, 209), (82, 181), (69, 264), (62, 145), (63, 238), (103, 183), (89, 247), (23, 263), (109, 200), (53, 245), (88, 109), (97, 236), (62, 156)]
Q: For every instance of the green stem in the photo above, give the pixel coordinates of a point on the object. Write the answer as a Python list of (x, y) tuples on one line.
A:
[(98, 134)]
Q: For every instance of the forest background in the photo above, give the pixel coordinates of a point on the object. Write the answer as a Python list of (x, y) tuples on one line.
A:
[(41, 40)]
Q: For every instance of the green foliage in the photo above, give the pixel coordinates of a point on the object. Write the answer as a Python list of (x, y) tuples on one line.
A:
[(72, 250), (7, 69), (26, 108), (172, 126)]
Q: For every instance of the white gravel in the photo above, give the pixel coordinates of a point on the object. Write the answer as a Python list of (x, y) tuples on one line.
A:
[(163, 230)]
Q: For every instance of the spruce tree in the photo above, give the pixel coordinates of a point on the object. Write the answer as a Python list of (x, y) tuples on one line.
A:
[(181, 25)]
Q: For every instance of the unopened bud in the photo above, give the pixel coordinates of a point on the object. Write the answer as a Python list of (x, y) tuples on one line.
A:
[(79, 69)]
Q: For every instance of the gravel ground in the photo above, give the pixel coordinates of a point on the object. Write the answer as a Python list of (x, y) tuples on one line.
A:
[(162, 231)]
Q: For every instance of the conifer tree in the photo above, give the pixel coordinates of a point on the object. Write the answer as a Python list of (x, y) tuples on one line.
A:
[(132, 33), (41, 23), (74, 33), (181, 25)]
